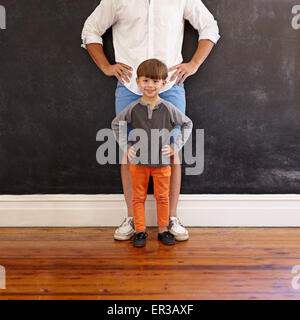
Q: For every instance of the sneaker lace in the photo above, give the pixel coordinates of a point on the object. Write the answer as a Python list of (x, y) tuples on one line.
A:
[(176, 222), (125, 222)]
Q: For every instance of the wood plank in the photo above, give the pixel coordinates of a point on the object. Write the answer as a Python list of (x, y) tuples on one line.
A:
[(86, 263)]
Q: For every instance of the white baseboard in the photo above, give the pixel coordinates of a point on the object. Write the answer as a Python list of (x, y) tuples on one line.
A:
[(101, 210)]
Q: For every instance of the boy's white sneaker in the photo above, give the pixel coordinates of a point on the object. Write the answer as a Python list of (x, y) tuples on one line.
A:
[(177, 229), (126, 230)]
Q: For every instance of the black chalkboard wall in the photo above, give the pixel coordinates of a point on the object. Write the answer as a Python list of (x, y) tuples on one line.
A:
[(53, 101)]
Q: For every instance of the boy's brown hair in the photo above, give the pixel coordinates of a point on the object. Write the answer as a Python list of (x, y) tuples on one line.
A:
[(153, 69)]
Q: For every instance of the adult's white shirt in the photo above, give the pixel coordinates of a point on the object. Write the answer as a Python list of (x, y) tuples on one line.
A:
[(143, 30)]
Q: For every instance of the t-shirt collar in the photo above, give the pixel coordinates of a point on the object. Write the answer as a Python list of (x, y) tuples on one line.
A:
[(148, 104)]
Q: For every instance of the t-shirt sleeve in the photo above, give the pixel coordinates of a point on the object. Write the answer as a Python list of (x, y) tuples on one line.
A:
[(119, 127), (179, 118)]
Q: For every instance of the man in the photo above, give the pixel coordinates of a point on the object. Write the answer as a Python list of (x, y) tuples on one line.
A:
[(144, 29)]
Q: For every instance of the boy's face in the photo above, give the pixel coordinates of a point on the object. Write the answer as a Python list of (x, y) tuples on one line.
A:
[(150, 87)]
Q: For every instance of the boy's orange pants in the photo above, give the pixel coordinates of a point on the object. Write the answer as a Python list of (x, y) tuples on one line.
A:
[(161, 182)]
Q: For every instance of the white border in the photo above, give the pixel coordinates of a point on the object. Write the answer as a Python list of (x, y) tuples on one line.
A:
[(108, 210)]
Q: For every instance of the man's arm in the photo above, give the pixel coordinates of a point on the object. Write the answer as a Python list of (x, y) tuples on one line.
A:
[(203, 50), (103, 17), (185, 70), (119, 70), (203, 21)]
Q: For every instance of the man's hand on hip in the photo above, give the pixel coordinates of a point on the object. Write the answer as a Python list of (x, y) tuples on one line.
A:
[(119, 70), (183, 70)]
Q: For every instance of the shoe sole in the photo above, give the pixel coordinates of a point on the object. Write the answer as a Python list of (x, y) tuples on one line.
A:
[(167, 244), (140, 246), (180, 237), (123, 238)]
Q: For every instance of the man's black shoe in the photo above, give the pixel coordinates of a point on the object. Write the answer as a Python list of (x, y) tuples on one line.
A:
[(140, 239), (166, 238)]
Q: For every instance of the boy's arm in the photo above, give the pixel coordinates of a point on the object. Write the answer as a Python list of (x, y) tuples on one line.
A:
[(179, 118), (119, 127)]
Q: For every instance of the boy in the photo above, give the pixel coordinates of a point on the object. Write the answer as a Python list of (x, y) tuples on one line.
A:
[(151, 114)]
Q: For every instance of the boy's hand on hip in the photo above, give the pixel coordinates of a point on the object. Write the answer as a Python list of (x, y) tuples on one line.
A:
[(167, 151), (119, 70), (183, 70), (131, 152)]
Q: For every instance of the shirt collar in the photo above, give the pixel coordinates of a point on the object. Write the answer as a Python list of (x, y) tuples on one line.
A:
[(148, 104)]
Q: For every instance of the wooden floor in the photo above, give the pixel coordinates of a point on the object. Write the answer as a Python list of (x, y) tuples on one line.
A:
[(86, 263)]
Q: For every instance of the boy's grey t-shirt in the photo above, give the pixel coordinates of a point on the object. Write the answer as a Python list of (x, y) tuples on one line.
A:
[(156, 125)]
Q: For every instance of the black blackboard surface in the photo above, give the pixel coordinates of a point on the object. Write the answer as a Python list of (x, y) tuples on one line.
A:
[(53, 100)]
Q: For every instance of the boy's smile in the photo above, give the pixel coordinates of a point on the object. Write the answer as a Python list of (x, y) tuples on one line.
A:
[(150, 87)]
